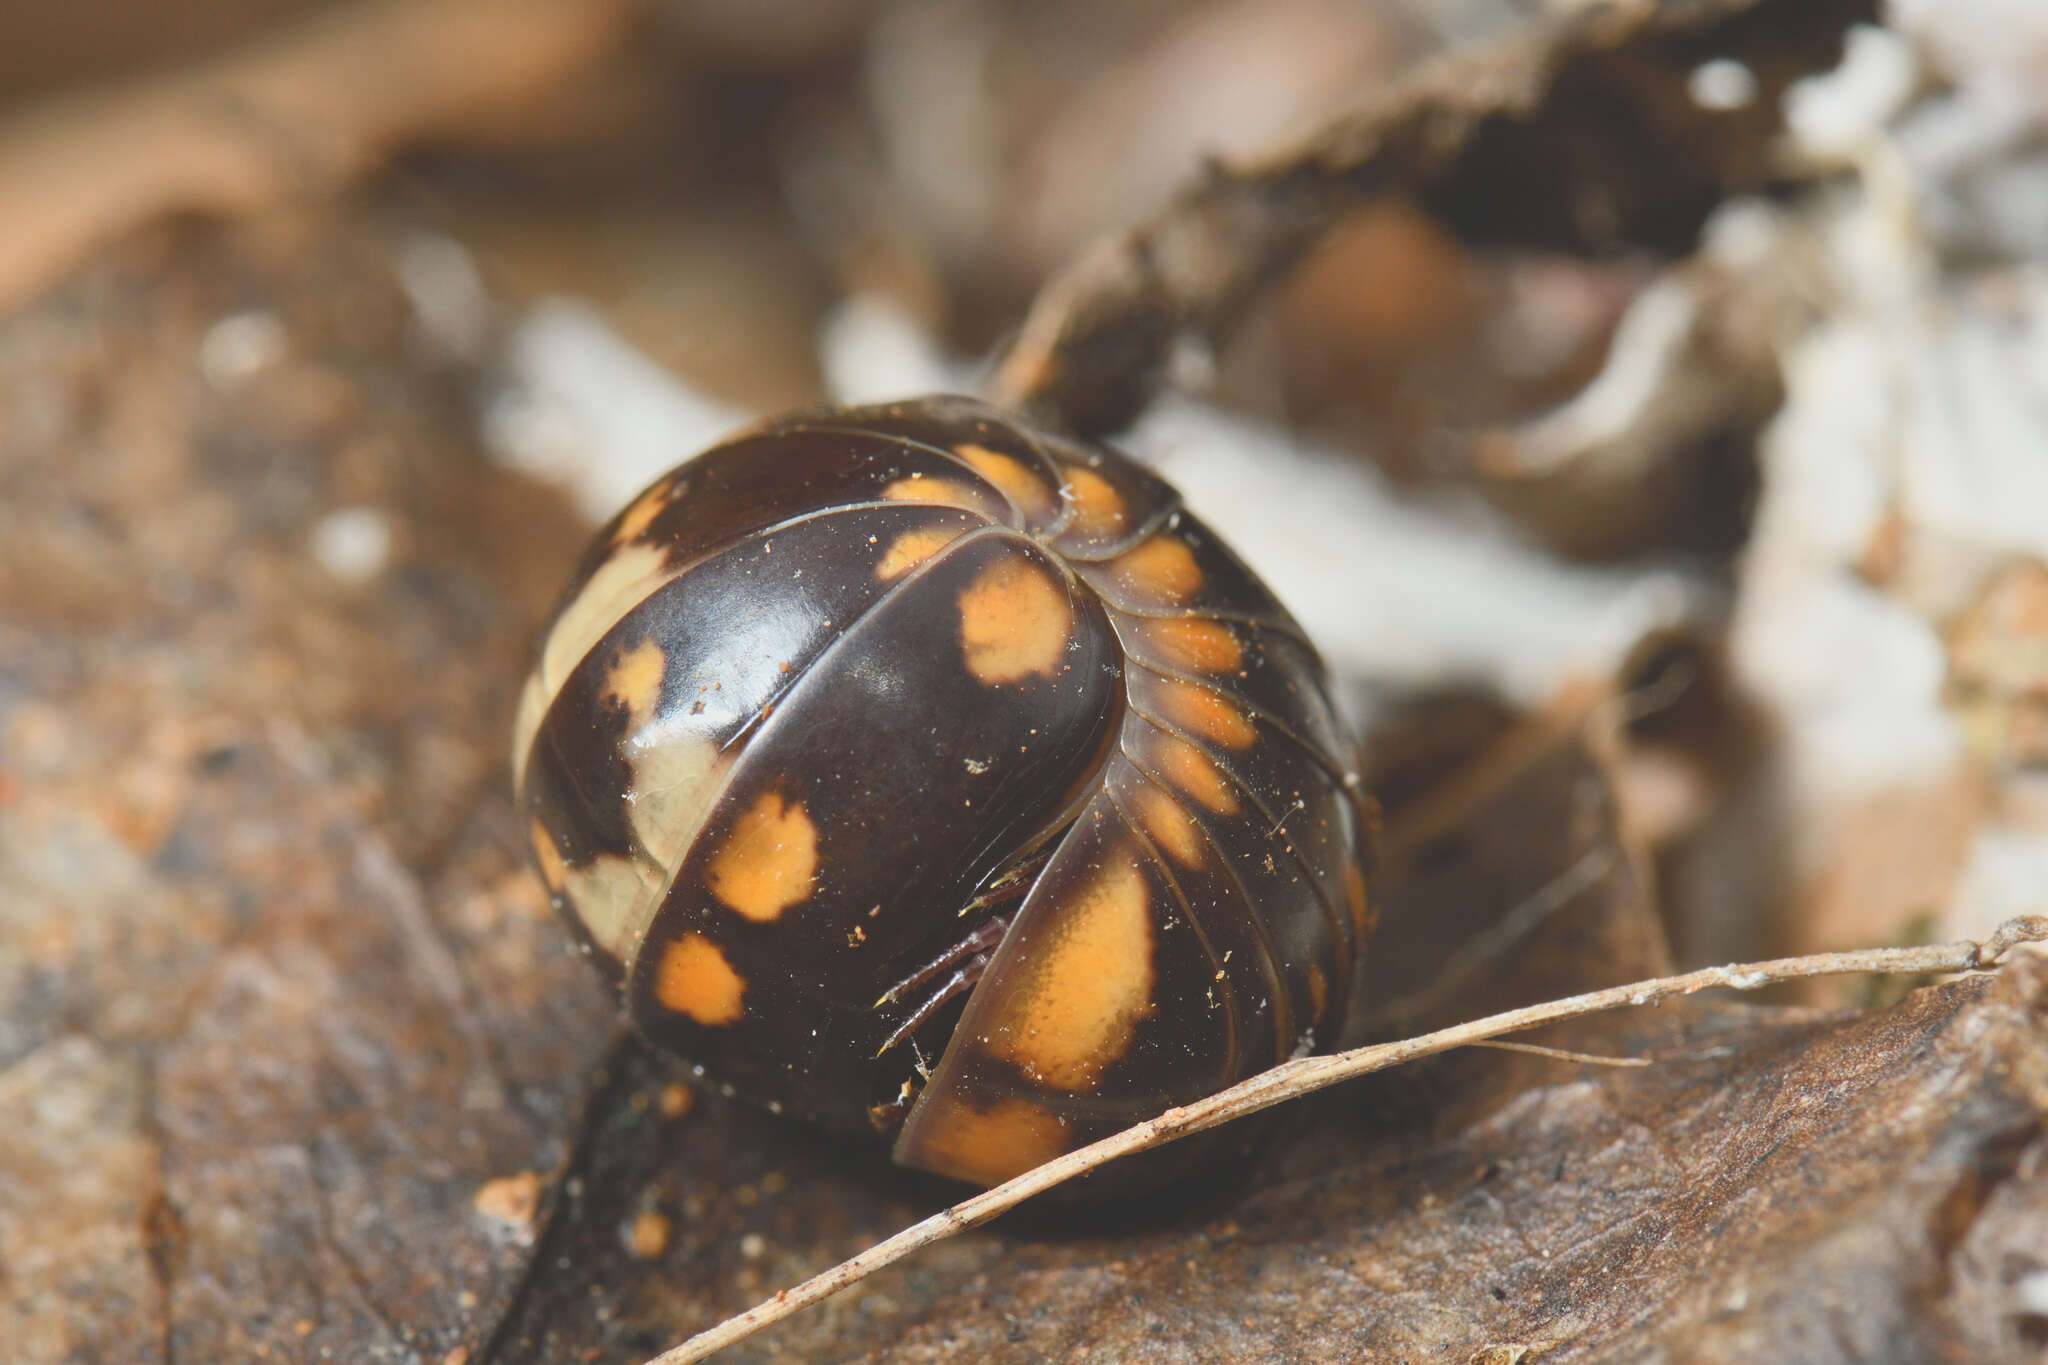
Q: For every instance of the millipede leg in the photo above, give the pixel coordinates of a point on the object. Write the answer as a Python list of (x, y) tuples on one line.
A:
[(973, 955)]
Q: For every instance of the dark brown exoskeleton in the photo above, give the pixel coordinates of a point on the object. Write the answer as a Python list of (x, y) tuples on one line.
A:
[(929, 776)]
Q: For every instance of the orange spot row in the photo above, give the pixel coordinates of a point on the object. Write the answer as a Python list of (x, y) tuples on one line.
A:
[(1193, 772), (1171, 827), (1193, 643), (1023, 487), (1161, 571), (1207, 713), (1098, 508)]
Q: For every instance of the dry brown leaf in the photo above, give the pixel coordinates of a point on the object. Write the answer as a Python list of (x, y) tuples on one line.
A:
[(276, 1004)]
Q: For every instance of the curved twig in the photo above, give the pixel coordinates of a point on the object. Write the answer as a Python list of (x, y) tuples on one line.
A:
[(1293, 1079)]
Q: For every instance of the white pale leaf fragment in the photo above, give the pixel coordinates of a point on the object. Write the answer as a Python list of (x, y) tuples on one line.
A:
[(585, 408)]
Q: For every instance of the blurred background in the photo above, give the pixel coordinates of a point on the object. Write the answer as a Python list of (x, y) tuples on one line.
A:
[(716, 180), (1777, 488)]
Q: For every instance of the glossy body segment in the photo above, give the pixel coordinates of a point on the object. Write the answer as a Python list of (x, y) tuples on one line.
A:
[(1100, 1009), (739, 493), (869, 706), (1231, 796), (858, 821), (620, 785)]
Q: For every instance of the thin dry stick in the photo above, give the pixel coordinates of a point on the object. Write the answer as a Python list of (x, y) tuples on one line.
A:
[(1563, 1054), (1309, 1074)]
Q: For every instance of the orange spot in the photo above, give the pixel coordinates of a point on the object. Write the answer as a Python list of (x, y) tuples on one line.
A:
[(1190, 642), (635, 680), (1162, 570), (1014, 621), (1318, 993), (695, 979), (988, 1146), (913, 548), (1081, 991), (946, 492), (552, 869), (1023, 486), (1207, 713), (769, 862), (1354, 899), (1098, 508), (1171, 827), (641, 514), (1191, 770)]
